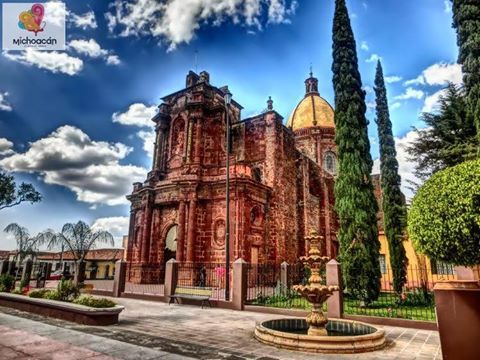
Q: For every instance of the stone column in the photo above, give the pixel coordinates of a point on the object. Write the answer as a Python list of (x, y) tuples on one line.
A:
[(198, 142), (181, 230), (284, 274), (146, 238), (131, 235), (159, 159), (335, 302), (171, 272), (192, 217), (239, 288), (120, 277)]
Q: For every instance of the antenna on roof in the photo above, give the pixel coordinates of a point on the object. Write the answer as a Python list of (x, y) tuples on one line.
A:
[(311, 70)]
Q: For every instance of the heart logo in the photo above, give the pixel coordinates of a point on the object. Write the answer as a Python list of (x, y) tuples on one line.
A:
[(32, 20)]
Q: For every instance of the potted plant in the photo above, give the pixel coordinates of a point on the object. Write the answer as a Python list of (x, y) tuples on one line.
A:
[(444, 224)]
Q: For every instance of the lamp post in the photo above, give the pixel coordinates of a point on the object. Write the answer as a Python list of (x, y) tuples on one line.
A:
[(228, 99)]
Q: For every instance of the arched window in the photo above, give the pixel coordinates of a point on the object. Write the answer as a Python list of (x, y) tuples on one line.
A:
[(330, 162)]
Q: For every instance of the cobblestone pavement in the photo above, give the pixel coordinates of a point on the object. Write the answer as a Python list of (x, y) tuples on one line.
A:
[(225, 334)]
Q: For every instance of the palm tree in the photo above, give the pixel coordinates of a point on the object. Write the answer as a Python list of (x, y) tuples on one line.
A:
[(26, 245), (78, 239)]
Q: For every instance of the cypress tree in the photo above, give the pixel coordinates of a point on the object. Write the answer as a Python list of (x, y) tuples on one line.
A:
[(393, 204), (354, 198), (466, 20)]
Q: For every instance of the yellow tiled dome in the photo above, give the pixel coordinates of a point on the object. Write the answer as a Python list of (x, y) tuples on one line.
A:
[(313, 110)]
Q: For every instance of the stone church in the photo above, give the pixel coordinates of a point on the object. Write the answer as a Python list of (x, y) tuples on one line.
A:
[(281, 181)]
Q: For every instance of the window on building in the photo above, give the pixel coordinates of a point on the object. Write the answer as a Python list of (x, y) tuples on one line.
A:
[(383, 263), (441, 268), (257, 174), (330, 162)]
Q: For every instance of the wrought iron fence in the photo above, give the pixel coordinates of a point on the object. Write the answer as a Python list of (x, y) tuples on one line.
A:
[(415, 302), (145, 279), (268, 287), (210, 275)]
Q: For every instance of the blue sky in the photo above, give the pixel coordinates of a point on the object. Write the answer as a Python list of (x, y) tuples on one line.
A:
[(75, 123)]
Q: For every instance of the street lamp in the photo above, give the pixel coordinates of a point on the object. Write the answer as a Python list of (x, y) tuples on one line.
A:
[(228, 99)]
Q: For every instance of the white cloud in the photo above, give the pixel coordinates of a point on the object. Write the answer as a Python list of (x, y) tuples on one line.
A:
[(5, 147), (368, 89), (364, 46), (4, 104), (177, 21), (138, 114), (115, 225), (439, 74), (56, 62), (447, 6), (92, 49), (373, 58), (113, 60), (84, 21), (432, 101), (411, 93), (55, 12), (392, 79), (87, 47), (420, 80), (395, 105), (148, 138), (406, 167), (91, 169)]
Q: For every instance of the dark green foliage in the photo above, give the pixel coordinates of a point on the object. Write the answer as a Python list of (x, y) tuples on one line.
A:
[(444, 218), (52, 295), (354, 198), (466, 20), (90, 301), (39, 293), (67, 290), (11, 196), (6, 282), (393, 205), (449, 137)]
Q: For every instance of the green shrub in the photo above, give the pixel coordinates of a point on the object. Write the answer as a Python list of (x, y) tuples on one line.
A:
[(90, 301), (6, 282), (40, 293), (67, 290), (444, 218), (51, 295), (416, 297), (17, 291)]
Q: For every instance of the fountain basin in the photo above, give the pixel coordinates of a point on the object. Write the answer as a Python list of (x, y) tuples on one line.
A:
[(344, 336)]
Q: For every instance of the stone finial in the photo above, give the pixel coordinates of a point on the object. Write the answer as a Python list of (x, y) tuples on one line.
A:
[(270, 103), (311, 84)]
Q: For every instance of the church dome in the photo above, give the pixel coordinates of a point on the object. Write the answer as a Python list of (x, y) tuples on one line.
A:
[(313, 110)]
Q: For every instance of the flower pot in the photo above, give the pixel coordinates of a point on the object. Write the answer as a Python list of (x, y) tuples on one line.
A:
[(458, 316)]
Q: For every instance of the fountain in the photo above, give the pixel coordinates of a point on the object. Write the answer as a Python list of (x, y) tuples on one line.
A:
[(316, 333)]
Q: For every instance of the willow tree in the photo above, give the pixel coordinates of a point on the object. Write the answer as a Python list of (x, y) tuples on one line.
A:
[(354, 197), (393, 204), (466, 20)]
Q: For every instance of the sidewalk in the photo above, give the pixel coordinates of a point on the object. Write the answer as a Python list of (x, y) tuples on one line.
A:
[(23, 339), (155, 330)]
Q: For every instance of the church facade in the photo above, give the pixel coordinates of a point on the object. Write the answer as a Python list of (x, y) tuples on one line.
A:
[(281, 182)]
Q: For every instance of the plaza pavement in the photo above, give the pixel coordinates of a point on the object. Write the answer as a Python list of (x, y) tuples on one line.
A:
[(155, 330)]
